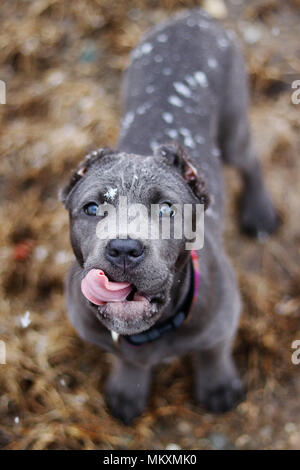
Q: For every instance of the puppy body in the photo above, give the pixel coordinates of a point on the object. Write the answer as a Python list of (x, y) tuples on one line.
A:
[(186, 83)]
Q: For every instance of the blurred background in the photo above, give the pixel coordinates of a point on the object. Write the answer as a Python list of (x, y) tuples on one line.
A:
[(62, 63)]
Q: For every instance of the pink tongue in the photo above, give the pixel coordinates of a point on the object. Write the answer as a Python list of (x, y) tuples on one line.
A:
[(99, 290)]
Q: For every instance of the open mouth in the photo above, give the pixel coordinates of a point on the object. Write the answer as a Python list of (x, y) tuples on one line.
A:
[(120, 306)]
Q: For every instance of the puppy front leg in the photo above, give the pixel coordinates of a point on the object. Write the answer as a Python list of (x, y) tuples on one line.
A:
[(127, 390), (217, 384)]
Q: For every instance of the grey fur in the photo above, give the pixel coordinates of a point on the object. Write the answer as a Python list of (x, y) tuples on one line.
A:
[(186, 83)]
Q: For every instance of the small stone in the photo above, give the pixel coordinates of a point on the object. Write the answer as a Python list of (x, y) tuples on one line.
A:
[(89, 53), (218, 441), (252, 34), (41, 253), (266, 432), (173, 446), (55, 78), (242, 440), (215, 8), (62, 257), (184, 427), (290, 428)]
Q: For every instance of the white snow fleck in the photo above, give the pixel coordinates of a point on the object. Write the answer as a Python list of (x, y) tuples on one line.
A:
[(223, 43), (144, 49), (184, 131), (167, 71), (199, 139), (115, 336), (190, 80), (182, 89), (216, 152), (162, 38), (167, 117), (128, 119), (111, 194), (143, 108), (201, 78), (154, 144), (150, 89), (175, 101), (212, 63), (188, 141), (25, 320), (172, 133), (211, 213), (158, 58), (135, 54), (203, 24)]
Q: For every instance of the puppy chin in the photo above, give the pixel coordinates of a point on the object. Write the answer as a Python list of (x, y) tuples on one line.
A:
[(126, 319)]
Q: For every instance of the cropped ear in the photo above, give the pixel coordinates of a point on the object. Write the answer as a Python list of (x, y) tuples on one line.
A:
[(82, 168), (176, 156)]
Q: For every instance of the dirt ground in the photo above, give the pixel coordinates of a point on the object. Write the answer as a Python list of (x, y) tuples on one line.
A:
[(62, 63)]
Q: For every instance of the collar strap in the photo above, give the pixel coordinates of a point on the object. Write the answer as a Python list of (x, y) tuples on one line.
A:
[(156, 331)]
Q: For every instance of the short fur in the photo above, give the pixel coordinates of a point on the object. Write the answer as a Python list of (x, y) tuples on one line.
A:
[(186, 88)]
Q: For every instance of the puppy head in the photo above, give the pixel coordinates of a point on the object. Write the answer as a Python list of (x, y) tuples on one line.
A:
[(154, 188)]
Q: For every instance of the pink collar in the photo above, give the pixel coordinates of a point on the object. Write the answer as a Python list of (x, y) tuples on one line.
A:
[(196, 269)]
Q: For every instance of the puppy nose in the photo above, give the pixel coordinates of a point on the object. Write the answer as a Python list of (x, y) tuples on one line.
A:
[(125, 253)]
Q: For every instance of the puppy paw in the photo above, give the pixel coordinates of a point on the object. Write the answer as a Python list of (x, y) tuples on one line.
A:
[(125, 406), (222, 398), (258, 215)]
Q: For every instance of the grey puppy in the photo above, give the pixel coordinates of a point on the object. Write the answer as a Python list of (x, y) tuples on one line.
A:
[(186, 84)]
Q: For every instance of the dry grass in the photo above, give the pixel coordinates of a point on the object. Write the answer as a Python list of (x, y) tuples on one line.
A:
[(62, 63)]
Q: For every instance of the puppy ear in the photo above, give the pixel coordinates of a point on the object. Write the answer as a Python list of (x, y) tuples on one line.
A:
[(176, 156), (82, 168)]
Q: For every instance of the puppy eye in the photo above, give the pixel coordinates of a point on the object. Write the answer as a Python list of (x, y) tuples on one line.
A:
[(166, 210), (91, 208)]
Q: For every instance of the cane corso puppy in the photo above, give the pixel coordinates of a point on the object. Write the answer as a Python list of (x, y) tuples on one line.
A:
[(149, 300)]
